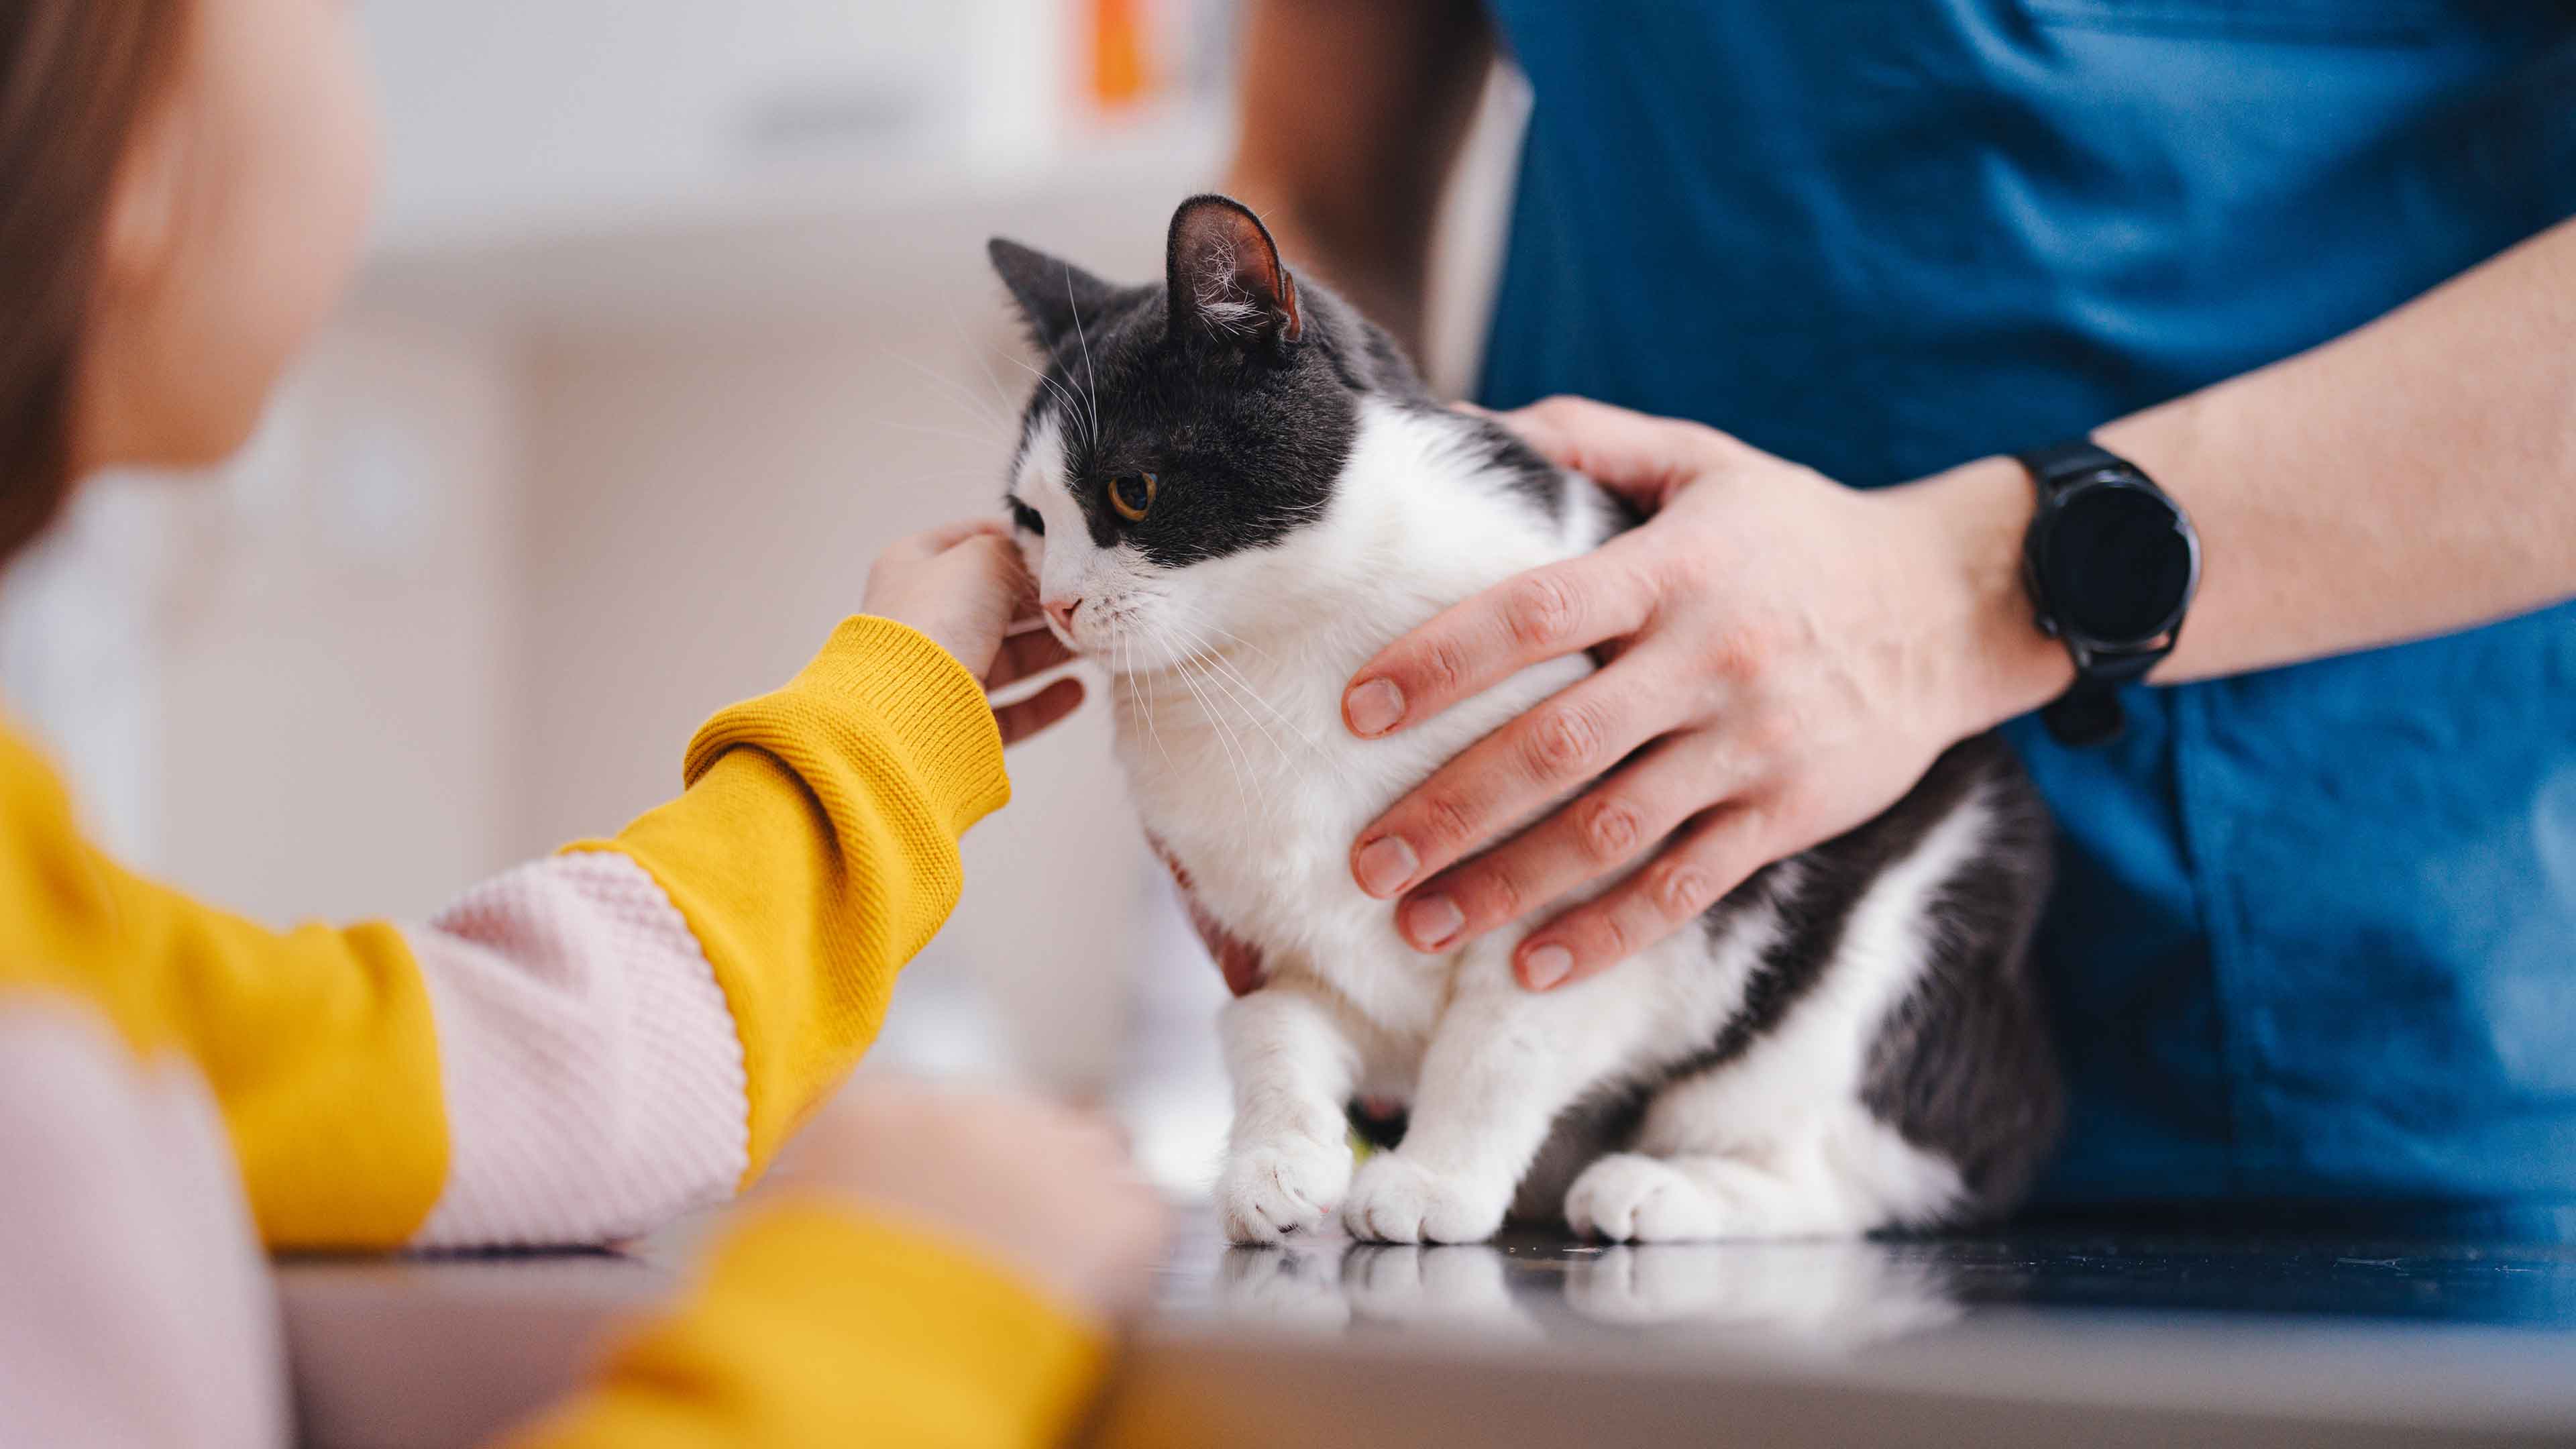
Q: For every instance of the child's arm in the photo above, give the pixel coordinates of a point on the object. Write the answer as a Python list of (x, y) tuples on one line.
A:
[(590, 1044)]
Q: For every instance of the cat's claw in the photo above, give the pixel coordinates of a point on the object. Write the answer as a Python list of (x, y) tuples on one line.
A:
[(1278, 1188), (1397, 1200), (1628, 1197)]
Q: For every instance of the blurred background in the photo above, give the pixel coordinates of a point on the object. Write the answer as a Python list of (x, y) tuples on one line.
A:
[(676, 314)]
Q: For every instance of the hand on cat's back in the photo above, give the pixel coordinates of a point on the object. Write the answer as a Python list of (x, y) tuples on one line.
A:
[(1784, 658)]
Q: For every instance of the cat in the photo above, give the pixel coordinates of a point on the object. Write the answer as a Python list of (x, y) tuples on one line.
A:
[(1233, 491)]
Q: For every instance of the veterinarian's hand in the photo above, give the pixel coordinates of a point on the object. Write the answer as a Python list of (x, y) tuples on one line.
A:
[(1785, 658), (1042, 1190), (965, 587)]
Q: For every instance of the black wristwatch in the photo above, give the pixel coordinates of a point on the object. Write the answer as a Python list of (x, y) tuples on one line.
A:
[(2111, 564)]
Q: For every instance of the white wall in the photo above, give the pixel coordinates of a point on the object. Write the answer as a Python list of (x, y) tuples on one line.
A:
[(286, 685), (339, 662)]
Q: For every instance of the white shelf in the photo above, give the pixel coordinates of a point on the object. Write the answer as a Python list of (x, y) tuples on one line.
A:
[(813, 237)]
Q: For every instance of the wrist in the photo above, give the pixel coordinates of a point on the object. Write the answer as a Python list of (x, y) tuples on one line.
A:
[(1977, 517)]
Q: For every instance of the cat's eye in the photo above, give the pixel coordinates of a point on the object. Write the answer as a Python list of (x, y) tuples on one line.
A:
[(1131, 494), (1028, 518)]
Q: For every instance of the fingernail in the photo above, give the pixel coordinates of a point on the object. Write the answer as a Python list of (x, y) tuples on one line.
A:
[(1546, 966), (1374, 707), (1429, 921), (1385, 864)]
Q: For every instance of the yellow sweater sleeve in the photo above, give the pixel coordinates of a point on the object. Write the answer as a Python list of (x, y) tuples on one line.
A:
[(316, 1043), (815, 850), (818, 1325)]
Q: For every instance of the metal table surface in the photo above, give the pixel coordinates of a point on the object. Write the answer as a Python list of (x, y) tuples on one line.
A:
[(2057, 1337)]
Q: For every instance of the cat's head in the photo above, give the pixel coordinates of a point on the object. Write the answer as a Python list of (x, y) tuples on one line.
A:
[(1186, 437)]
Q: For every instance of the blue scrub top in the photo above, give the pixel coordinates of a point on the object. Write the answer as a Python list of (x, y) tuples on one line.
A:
[(2315, 932)]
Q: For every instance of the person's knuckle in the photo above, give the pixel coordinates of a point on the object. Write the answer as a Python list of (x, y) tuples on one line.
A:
[(1609, 937), (1741, 652), (1611, 827), (1564, 740), (1496, 892), (1667, 574), (1443, 667), (1765, 734), (1540, 611), (1635, 584), (1680, 889), (1446, 819)]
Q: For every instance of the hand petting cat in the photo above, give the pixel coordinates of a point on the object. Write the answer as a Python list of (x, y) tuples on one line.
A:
[(1784, 659), (964, 587)]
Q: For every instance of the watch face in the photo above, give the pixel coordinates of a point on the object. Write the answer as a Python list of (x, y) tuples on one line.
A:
[(2119, 563)]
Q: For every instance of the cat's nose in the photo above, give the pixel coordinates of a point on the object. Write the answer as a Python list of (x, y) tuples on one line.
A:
[(1062, 611)]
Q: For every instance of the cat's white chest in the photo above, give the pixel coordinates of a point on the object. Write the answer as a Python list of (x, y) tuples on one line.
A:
[(1264, 820), (1263, 817)]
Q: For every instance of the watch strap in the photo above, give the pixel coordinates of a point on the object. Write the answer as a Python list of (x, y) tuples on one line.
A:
[(2053, 467), (2089, 712)]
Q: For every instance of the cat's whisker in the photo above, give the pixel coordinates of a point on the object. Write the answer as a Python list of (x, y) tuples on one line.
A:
[(1239, 639), (1198, 629), (1145, 697), (1238, 765), (1092, 385), (1233, 692), (1223, 670), (1238, 760), (1195, 650), (982, 409), (1124, 677), (1071, 406), (1008, 407), (933, 430)]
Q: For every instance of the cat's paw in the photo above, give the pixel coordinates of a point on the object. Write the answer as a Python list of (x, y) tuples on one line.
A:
[(1286, 1185), (1628, 1197), (1397, 1200)]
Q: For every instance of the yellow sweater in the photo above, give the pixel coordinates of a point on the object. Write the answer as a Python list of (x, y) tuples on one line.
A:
[(812, 852)]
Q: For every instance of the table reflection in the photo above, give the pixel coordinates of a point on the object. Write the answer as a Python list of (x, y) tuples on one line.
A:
[(1821, 1295), (1844, 1295)]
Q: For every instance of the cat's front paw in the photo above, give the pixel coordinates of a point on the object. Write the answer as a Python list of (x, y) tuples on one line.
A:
[(1629, 1197), (1287, 1185), (1397, 1200)]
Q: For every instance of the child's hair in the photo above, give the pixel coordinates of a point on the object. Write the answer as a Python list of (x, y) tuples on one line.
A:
[(76, 76)]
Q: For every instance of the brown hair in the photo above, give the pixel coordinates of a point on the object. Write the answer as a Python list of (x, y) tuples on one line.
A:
[(76, 77)]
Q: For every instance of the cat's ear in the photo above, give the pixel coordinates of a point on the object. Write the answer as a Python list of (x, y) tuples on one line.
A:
[(1226, 276), (1054, 295)]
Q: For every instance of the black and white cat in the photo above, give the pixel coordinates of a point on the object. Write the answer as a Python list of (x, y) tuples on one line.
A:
[(1234, 491)]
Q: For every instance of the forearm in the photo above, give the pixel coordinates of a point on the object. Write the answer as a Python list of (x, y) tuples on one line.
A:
[(815, 851), (1353, 115), (580, 1048), (2411, 478)]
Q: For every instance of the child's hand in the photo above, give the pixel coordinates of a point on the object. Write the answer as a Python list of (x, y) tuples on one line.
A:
[(964, 586), (1040, 1189)]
